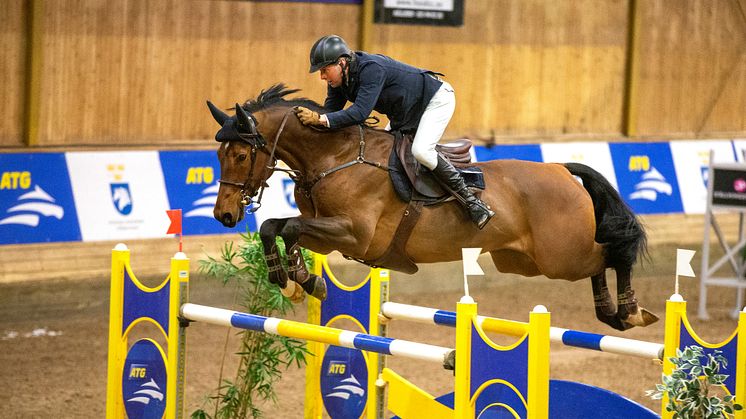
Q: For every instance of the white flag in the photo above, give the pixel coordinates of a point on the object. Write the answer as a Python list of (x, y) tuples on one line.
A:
[(471, 266), (683, 262)]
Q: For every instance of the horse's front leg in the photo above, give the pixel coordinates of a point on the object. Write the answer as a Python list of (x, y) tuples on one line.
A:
[(297, 269), (268, 233)]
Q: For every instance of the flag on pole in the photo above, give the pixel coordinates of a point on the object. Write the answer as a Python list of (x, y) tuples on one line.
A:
[(683, 262), (175, 227), (471, 265), (175, 217)]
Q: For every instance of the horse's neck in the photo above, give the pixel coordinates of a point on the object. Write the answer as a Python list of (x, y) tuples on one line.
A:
[(312, 152)]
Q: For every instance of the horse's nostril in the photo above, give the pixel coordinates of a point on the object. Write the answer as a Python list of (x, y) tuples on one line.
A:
[(227, 218)]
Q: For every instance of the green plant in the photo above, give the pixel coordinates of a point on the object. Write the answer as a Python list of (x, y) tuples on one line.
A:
[(693, 386), (262, 355)]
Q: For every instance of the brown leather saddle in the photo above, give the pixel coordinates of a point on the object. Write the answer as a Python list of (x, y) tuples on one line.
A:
[(417, 186), (414, 182)]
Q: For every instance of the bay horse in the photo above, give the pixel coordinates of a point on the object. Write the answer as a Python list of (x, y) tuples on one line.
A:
[(546, 223)]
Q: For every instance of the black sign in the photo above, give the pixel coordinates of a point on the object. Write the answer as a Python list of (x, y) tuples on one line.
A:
[(420, 12), (728, 186)]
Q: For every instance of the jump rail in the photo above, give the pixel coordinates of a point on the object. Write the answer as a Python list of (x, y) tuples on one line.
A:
[(568, 337), (322, 334)]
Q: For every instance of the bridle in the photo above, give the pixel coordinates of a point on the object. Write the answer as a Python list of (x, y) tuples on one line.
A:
[(257, 143)]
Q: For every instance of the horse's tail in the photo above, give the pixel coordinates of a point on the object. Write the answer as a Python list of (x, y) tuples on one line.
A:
[(617, 227)]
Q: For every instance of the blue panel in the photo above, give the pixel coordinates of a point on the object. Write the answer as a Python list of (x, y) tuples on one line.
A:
[(139, 303), (344, 382), (144, 380), (36, 199), (486, 406), (729, 352), (582, 339), (487, 363), (355, 303), (646, 177), (530, 152), (446, 318), (192, 184), (371, 343), (570, 400), (248, 321)]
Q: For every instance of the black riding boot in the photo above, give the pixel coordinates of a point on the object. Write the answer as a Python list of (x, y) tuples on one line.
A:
[(478, 211)]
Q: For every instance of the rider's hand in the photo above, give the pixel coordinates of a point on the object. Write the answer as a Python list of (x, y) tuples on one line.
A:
[(309, 117)]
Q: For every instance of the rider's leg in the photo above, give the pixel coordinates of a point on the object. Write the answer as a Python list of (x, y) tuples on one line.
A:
[(432, 125)]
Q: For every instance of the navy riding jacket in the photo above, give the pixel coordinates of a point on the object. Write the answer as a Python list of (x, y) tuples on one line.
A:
[(397, 90)]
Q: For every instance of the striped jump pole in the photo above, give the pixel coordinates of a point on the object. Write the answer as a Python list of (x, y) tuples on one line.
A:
[(567, 337), (323, 334)]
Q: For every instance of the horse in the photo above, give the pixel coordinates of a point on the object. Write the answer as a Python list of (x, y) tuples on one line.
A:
[(546, 223)]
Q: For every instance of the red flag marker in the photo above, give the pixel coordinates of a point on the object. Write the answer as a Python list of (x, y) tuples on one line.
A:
[(175, 227)]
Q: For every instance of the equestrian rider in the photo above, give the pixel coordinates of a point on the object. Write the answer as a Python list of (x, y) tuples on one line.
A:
[(412, 99)]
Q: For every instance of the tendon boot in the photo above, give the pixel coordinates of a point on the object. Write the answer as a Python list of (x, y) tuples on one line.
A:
[(447, 175)]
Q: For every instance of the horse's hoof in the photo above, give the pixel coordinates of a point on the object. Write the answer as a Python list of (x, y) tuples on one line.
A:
[(294, 292), (642, 318), (315, 286)]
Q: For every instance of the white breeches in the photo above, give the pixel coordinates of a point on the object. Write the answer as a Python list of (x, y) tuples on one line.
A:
[(432, 125)]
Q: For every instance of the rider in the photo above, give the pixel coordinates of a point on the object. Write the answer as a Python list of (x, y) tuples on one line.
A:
[(412, 99)]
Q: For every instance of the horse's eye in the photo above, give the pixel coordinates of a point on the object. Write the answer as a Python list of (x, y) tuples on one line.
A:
[(241, 157)]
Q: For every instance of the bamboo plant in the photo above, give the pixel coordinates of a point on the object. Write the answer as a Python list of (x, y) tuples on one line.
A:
[(263, 357)]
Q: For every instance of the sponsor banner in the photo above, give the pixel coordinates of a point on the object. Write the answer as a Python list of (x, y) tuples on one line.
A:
[(192, 185), (691, 160), (729, 186), (646, 176), (36, 201), (593, 154), (420, 12), (279, 199), (119, 195), (530, 152)]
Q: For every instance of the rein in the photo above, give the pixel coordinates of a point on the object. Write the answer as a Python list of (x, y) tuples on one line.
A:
[(307, 186), (295, 175)]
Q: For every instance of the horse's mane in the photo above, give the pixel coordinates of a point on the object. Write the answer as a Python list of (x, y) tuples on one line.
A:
[(275, 96)]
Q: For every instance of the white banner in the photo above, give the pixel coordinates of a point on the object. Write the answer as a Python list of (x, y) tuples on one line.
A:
[(593, 154), (119, 195)]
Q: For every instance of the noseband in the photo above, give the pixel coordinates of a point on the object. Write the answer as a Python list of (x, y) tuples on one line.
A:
[(257, 143)]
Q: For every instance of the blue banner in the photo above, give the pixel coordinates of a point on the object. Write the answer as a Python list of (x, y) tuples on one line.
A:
[(646, 177), (36, 200), (192, 184), (530, 152)]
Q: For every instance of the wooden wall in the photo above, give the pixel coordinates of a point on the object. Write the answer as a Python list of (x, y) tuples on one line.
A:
[(13, 37), (690, 70), (137, 72), (526, 68)]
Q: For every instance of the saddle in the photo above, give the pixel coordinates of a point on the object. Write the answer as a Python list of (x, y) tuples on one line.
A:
[(414, 182), (417, 186)]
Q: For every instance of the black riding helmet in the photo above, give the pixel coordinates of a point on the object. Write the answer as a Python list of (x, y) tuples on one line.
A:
[(326, 51)]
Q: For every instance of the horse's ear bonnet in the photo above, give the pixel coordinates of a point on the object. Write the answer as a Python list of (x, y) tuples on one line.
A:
[(241, 127)]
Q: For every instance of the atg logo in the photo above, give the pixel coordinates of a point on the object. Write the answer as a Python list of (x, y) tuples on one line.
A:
[(30, 206), (149, 390), (652, 182), (203, 206), (348, 387)]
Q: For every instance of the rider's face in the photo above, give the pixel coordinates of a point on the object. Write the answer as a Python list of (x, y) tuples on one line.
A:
[(332, 74)]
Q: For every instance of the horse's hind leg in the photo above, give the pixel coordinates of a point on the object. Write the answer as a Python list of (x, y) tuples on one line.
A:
[(297, 270), (629, 311), (606, 310)]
